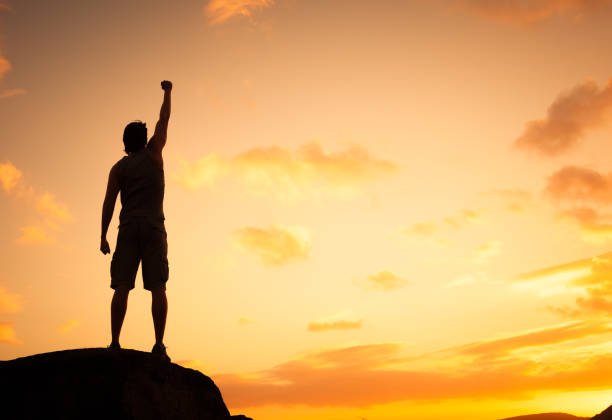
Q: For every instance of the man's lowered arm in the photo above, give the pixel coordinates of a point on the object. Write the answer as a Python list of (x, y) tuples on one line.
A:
[(112, 190)]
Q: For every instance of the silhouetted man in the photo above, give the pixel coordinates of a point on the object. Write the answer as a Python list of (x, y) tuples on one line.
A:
[(139, 177)]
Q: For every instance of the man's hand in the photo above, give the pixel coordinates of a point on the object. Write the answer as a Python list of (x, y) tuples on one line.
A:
[(104, 246), (166, 85)]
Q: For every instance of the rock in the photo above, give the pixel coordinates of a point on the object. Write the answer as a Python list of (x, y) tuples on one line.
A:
[(547, 416), (604, 415), (107, 384)]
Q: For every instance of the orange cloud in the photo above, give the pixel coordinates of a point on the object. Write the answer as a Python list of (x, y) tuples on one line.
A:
[(9, 176), (282, 172), (596, 227), (219, 11), (45, 204), (579, 193), (5, 66), (318, 326), (573, 113), (277, 245), (7, 334), (385, 280), (529, 11), (9, 302), (48, 207), (203, 172), (69, 325), (360, 376), (34, 235), (574, 183)]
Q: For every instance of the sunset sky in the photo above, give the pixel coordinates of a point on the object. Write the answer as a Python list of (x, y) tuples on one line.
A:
[(376, 210)]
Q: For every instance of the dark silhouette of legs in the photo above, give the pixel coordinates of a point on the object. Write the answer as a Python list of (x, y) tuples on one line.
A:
[(159, 310), (118, 309)]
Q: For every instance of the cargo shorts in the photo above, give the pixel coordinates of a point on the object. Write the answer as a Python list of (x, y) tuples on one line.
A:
[(140, 239)]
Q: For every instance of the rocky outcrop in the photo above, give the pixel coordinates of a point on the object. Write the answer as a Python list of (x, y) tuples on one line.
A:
[(107, 384), (604, 415), (547, 416)]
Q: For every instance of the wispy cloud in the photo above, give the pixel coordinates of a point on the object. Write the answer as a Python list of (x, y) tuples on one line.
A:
[(244, 320), (7, 334), (52, 213), (48, 207), (281, 172), (589, 278), (385, 280), (487, 250), (277, 245), (204, 172), (11, 92), (338, 325), (585, 107), (535, 338), (9, 302), (219, 11), (34, 235), (514, 200), (467, 279), (364, 375), (5, 66), (422, 228), (458, 220), (556, 279), (523, 12)]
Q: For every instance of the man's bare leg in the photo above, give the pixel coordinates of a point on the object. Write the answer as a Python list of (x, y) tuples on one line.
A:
[(118, 309), (159, 310)]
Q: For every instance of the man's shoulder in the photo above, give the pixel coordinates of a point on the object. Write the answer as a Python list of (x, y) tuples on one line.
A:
[(117, 166), (155, 156)]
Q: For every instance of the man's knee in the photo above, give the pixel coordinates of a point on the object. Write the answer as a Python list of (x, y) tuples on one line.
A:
[(122, 289), (158, 291)]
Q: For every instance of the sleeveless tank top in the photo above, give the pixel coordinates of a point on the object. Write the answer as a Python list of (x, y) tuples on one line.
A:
[(141, 183)]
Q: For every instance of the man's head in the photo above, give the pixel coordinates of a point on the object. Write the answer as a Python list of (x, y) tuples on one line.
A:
[(135, 136)]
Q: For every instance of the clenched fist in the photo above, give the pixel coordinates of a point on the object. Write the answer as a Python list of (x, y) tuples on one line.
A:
[(166, 85), (104, 246)]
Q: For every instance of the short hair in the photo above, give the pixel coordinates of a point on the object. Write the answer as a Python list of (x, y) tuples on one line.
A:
[(135, 136)]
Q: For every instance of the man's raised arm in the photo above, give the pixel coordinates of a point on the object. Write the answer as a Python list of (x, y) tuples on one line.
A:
[(158, 141)]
